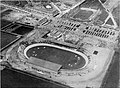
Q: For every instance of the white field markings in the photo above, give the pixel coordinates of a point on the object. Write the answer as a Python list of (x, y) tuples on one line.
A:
[(89, 9), (66, 11), (113, 20), (56, 7), (110, 14), (95, 12)]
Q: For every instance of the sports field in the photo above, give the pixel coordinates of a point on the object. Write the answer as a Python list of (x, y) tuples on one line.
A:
[(83, 15), (67, 59)]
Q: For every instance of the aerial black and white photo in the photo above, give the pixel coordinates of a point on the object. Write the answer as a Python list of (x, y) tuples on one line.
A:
[(60, 43)]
